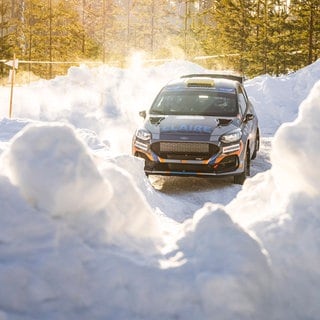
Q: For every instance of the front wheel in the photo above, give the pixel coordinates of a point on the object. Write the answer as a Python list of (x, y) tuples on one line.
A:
[(240, 178)]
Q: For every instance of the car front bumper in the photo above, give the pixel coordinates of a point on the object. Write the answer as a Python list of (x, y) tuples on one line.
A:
[(228, 161)]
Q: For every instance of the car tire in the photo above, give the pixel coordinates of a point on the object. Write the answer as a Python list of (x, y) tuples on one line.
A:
[(256, 145), (240, 178)]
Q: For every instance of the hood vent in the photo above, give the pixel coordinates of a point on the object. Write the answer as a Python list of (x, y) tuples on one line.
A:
[(224, 122)]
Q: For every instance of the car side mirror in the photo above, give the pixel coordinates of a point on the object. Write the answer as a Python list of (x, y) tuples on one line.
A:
[(143, 114), (249, 117)]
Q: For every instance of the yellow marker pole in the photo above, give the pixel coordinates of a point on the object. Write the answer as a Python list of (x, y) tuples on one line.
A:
[(13, 70)]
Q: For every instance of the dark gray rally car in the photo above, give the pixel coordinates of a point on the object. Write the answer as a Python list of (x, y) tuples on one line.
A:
[(199, 125)]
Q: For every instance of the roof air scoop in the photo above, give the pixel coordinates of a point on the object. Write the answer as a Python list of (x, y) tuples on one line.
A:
[(200, 82)]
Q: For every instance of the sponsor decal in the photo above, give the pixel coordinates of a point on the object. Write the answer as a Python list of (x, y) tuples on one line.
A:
[(187, 128)]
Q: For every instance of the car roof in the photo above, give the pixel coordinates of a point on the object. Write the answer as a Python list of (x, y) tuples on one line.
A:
[(205, 81)]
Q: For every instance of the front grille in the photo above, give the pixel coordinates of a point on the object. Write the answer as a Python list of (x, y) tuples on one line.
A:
[(185, 147), (184, 150)]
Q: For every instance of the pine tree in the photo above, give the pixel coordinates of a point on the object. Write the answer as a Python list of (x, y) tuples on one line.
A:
[(279, 38), (11, 15), (51, 31), (305, 27), (271, 41), (209, 36), (99, 29), (234, 27), (6, 21)]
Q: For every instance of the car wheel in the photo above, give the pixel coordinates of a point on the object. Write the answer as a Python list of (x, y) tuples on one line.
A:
[(240, 178), (256, 145)]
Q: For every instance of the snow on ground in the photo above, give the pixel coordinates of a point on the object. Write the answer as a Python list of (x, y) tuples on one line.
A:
[(278, 98), (84, 234), (285, 216)]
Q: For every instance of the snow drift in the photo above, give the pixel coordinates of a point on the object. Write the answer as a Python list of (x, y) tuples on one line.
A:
[(79, 239), (282, 207), (53, 171)]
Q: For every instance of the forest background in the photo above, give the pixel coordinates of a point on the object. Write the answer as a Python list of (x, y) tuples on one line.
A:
[(252, 37)]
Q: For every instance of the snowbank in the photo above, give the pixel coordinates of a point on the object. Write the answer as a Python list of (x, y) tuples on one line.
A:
[(281, 207), (277, 99), (54, 171), (82, 236), (297, 170), (78, 241)]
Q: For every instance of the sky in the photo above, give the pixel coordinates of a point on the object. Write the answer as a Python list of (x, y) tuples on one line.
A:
[(85, 234)]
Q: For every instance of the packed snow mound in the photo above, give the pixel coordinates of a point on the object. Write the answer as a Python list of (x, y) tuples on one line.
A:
[(297, 170), (282, 208), (57, 174), (293, 172), (277, 99), (97, 246), (232, 269), (54, 171)]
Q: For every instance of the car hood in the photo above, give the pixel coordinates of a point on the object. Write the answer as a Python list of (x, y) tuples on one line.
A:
[(198, 128)]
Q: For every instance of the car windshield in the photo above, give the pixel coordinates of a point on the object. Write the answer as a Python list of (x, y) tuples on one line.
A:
[(202, 103)]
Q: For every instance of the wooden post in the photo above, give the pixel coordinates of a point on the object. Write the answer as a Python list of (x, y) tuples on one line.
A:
[(13, 71)]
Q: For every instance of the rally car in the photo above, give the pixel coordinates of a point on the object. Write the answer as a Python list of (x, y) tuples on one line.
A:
[(199, 125)]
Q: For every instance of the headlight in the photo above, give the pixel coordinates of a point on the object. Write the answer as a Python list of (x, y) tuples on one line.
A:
[(231, 137), (143, 134)]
